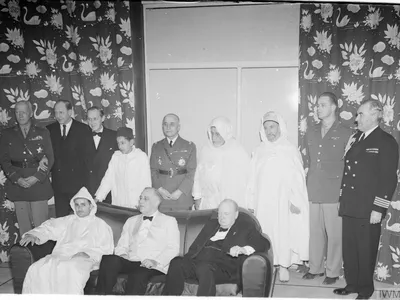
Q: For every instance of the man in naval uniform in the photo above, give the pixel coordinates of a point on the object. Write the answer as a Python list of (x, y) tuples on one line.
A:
[(173, 164), (326, 142), (22, 147), (105, 144), (369, 181)]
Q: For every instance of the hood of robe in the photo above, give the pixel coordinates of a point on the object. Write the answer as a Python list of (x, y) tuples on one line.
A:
[(84, 193), (273, 116), (224, 128)]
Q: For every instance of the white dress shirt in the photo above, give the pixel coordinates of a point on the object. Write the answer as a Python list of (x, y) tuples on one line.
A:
[(67, 128), (221, 235), (96, 138)]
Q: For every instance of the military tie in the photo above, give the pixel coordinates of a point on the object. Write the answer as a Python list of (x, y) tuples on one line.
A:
[(25, 131), (170, 144), (64, 134)]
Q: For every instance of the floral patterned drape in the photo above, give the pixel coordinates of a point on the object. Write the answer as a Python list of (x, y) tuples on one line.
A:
[(75, 50), (354, 51)]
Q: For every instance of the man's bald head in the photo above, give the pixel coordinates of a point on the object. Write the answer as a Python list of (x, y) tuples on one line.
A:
[(171, 126), (228, 211)]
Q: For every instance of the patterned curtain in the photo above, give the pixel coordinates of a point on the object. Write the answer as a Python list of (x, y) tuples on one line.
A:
[(75, 50), (354, 51)]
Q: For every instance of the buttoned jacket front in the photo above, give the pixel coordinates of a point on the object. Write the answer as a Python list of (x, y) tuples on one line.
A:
[(370, 174), (325, 162)]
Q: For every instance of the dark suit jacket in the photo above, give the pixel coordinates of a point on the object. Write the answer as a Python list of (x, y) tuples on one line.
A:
[(101, 158), (71, 157), (242, 233), (370, 175)]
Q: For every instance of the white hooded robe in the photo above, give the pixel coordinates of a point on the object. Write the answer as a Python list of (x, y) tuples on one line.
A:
[(278, 180), (58, 272), (222, 172)]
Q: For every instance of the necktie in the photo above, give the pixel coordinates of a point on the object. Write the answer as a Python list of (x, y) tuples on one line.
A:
[(99, 134), (25, 131), (223, 229), (170, 144), (147, 218), (64, 135)]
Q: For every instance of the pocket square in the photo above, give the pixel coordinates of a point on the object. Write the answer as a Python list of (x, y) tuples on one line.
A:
[(372, 150)]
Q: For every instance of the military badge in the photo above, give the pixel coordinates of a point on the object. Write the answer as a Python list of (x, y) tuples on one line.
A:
[(39, 150), (37, 138), (159, 161), (181, 162)]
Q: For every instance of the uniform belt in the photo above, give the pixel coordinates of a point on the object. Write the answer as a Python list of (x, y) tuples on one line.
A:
[(171, 172), (24, 164)]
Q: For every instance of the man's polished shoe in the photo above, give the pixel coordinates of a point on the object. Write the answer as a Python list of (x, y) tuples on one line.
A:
[(330, 280), (342, 292), (309, 275), (360, 296)]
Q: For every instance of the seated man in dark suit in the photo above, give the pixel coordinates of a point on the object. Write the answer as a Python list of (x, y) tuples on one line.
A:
[(217, 254)]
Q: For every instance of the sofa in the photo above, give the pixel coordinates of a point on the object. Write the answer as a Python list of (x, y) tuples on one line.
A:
[(258, 274)]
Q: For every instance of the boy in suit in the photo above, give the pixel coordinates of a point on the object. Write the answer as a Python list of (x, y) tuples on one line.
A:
[(105, 143), (147, 244)]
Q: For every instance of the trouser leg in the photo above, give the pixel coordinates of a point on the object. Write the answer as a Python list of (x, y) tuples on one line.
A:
[(350, 255), (22, 211), (333, 225), (317, 239), (40, 212), (180, 269), (138, 278)]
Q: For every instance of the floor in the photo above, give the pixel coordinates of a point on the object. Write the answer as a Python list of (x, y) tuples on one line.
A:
[(295, 288), (300, 288)]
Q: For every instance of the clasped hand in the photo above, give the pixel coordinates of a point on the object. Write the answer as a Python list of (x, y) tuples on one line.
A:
[(27, 182), (235, 251), (149, 263), (169, 196)]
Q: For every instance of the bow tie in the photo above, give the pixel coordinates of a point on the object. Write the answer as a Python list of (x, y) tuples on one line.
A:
[(223, 229), (99, 134), (147, 218)]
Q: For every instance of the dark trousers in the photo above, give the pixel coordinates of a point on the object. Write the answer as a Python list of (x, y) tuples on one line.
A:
[(207, 274), (61, 201), (360, 247), (113, 265)]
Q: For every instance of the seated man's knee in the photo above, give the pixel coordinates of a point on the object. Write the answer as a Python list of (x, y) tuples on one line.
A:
[(176, 262), (110, 260), (204, 268)]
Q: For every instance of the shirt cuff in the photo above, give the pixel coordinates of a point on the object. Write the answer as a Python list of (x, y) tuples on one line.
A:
[(249, 250)]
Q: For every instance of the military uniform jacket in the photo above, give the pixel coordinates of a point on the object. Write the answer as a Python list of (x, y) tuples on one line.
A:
[(72, 156), (370, 177), (178, 158), (102, 156), (20, 157), (325, 162)]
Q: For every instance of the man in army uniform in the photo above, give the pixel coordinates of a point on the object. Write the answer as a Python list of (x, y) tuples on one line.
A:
[(173, 164), (326, 142), (22, 147), (369, 181)]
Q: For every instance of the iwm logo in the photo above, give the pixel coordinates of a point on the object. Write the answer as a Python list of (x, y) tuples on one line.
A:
[(388, 294)]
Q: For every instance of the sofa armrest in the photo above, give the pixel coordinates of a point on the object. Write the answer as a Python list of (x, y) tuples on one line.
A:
[(258, 275), (21, 259)]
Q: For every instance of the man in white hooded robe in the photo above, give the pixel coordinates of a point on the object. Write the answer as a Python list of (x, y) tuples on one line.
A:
[(82, 240), (277, 193), (223, 168)]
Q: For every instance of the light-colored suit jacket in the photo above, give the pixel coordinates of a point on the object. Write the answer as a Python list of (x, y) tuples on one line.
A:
[(160, 242)]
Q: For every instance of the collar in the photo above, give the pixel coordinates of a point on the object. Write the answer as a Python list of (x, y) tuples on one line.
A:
[(101, 129), (173, 140), (67, 124), (368, 132)]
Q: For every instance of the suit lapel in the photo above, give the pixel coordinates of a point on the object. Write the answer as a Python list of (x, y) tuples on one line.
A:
[(231, 234)]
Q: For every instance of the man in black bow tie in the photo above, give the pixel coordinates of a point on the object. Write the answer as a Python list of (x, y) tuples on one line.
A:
[(147, 244), (217, 254), (105, 144)]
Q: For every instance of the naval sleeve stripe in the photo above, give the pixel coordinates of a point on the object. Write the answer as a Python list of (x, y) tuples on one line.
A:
[(381, 202)]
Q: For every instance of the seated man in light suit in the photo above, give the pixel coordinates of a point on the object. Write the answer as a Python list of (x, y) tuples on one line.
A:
[(147, 244)]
